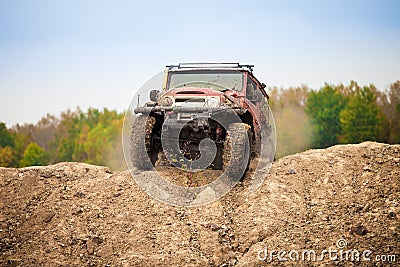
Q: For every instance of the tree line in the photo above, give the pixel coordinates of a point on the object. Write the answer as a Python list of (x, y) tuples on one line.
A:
[(305, 118), (335, 114), (92, 136)]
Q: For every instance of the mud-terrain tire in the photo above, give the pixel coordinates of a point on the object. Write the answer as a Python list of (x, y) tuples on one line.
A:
[(141, 144), (236, 153)]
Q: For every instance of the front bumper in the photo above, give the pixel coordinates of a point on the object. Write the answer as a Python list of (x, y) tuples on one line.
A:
[(180, 109), (148, 110)]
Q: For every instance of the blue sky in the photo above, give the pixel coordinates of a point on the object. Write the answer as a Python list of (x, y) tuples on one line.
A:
[(56, 55)]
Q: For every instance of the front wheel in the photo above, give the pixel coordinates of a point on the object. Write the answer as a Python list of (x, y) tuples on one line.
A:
[(236, 153), (141, 142)]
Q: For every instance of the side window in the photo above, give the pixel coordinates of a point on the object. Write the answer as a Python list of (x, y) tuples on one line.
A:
[(250, 88)]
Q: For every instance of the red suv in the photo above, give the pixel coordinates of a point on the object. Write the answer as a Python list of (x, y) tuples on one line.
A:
[(206, 115)]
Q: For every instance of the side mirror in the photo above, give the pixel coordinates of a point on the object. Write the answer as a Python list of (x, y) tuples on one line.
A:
[(154, 95)]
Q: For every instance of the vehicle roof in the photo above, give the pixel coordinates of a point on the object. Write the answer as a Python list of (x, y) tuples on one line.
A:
[(209, 66), (183, 67)]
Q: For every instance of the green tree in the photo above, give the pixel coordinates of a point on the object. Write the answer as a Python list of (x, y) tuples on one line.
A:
[(92, 137), (102, 140), (34, 155), (21, 142), (7, 157), (323, 108), (361, 119), (65, 136), (6, 138), (8, 154)]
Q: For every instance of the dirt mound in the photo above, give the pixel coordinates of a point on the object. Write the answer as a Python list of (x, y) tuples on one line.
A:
[(74, 214)]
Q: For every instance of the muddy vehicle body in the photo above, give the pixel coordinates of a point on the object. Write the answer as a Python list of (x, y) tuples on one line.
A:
[(224, 103)]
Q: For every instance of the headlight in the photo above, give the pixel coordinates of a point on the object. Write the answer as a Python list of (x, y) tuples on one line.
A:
[(167, 101), (212, 102)]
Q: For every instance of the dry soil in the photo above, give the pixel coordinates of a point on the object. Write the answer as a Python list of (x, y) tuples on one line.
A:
[(74, 214)]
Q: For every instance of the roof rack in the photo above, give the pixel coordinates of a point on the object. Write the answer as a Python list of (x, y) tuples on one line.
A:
[(208, 65)]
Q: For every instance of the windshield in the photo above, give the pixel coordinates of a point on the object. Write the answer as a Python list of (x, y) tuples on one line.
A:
[(221, 80)]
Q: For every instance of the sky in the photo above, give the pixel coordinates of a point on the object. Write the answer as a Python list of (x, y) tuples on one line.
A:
[(58, 55)]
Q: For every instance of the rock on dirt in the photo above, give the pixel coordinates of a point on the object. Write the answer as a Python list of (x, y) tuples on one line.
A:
[(74, 214)]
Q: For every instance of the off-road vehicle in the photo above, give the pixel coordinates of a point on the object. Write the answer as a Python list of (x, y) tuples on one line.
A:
[(222, 102)]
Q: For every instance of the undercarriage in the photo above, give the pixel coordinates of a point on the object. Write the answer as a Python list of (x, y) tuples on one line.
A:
[(178, 140)]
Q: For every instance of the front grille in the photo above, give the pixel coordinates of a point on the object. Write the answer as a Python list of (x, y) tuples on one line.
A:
[(190, 93), (195, 100)]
